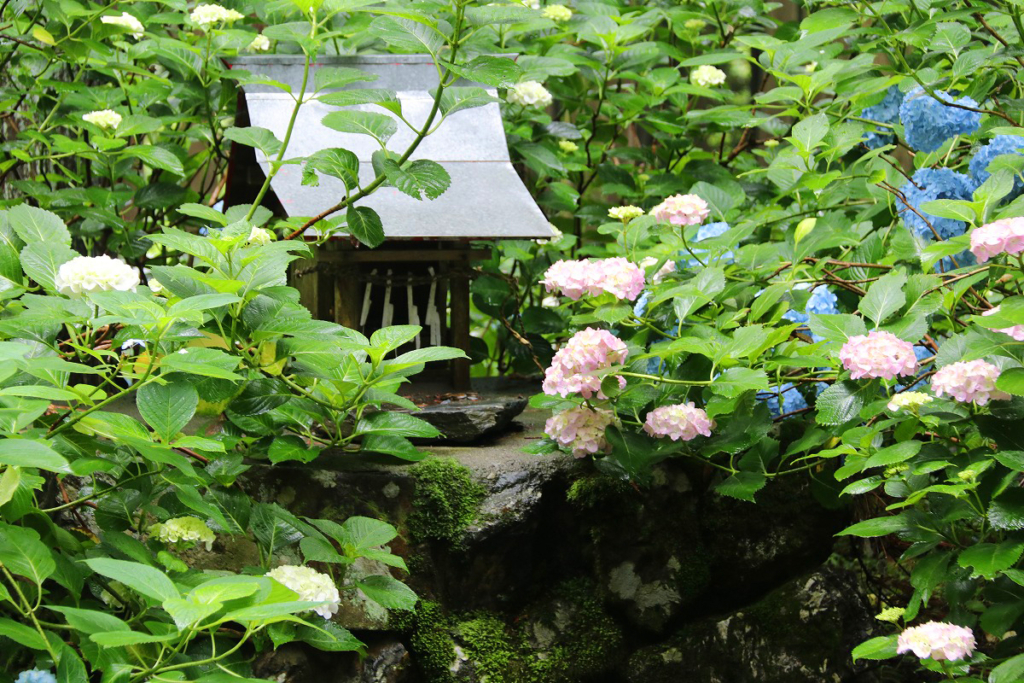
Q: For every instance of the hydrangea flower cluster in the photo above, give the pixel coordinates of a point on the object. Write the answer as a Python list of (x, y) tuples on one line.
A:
[(183, 530), (1017, 331), (126, 21), (886, 111), (929, 122), (205, 16), (681, 421), (625, 213), (821, 302), (568, 146), (706, 232), (557, 13), (937, 640), (891, 614), (107, 119), (588, 351), (682, 209), (530, 94), (972, 381), (878, 354), (35, 676), (667, 269), (695, 24), (85, 274), (1000, 145), (928, 185), (707, 76), (998, 237), (908, 400), (580, 429), (573, 279), (786, 399), (311, 586), (259, 44), (259, 237)]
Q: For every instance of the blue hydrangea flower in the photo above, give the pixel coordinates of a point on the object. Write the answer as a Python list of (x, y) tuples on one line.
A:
[(931, 184), (929, 122), (705, 232), (640, 307), (886, 111), (1000, 145), (35, 676), (653, 365), (791, 399), (822, 301)]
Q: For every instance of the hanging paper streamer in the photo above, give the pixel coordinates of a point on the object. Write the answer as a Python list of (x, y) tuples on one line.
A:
[(389, 308), (433, 319), (366, 300), (414, 315)]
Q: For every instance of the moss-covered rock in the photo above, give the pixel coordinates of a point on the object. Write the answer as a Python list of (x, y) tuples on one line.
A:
[(445, 500)]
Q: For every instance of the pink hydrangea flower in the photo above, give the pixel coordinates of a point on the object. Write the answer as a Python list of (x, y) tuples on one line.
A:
[(997, 237), (938, 641), (572, 368), (969, 381), (571, 278), (682, 209), (663, 272), (580, 429), (878, 354), (574, 279), (681, 421), (1017, 331)]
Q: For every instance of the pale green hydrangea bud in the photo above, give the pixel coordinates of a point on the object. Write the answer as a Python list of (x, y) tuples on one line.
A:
[(183, 530)]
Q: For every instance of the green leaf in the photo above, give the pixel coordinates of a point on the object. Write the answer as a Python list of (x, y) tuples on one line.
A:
[(842, 402), (379, 126), (398, 424), (407, 35), (398, 446), (27, 453), (496, 72), (989, 559), (254, 136), (70, 668), (349, 98), (336, 162), (896, 453), (24, 554), (38, 226), (809, 132), (1006, 511), (735, 381), (873, 528), (884, 297), (156, 157), (742, 485), (388, 592), (332, 77), (125, 638), (91, 621), (291, 447), (418, 179), (204, 212), (1010, 671), (882, 647), (1011, 381), (42, 260), (201, 361), (167, 407), (836, 326), (22, 634), (143, 579), (364, 224), (329, 637)]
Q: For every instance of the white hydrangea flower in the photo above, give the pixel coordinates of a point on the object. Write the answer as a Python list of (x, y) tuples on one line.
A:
[(529, 94), (259, 44), (707, 76), (128, 22), (183, 530), (260, 237), (532, 4), (206, 16), (311, 585), (556, 235), (557, 13), (625, 213), (105, 118), (911, 400), (84, 274)]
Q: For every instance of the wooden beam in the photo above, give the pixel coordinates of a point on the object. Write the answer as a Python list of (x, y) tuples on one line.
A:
[(459, 282)]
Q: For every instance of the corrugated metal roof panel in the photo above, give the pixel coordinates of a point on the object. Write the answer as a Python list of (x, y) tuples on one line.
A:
[(486, 199)]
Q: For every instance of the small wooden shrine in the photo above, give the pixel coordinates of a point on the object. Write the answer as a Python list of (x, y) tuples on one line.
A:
[(421, 274)]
